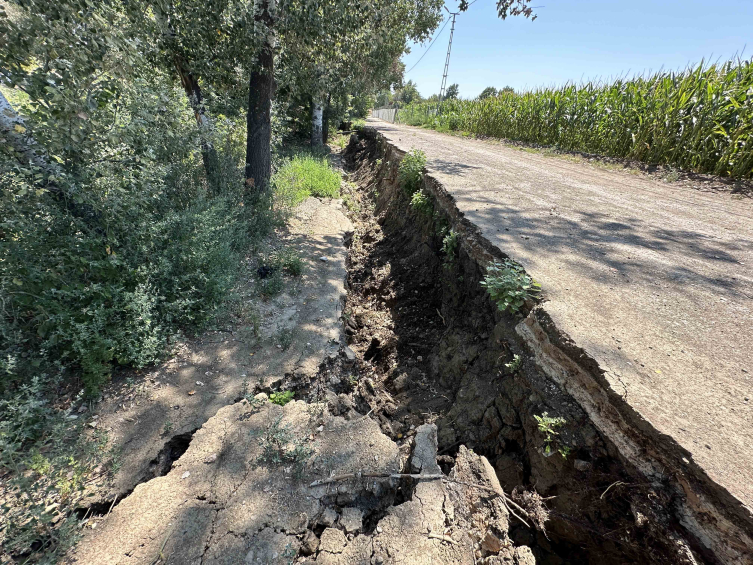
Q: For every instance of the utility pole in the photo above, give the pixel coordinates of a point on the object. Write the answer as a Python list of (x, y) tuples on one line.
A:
[(447, 60)]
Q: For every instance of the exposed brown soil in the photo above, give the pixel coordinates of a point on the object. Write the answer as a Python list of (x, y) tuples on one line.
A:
[(435, 349)]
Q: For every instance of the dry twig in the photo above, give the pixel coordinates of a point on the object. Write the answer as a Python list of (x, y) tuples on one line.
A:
[(448, 539)]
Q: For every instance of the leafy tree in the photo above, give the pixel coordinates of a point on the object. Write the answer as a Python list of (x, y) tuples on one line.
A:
[(488, 92), (407, 94), (453, 91), (508, 8), (509, 89)]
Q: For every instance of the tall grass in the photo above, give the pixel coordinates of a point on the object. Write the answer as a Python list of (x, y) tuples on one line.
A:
[(700, 119), (305, 175)]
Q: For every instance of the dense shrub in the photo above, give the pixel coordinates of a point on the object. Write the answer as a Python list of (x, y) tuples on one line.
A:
[(153, 254)]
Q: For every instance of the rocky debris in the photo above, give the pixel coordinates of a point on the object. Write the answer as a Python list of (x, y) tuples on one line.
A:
[(253, 504), (256, 503)]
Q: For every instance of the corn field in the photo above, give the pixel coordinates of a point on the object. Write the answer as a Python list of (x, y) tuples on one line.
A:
[(700, 119)]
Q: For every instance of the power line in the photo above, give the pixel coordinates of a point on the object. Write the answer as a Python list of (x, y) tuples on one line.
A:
[(427, 49)]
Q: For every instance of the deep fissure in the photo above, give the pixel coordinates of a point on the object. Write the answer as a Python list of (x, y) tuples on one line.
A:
[(425, 332)]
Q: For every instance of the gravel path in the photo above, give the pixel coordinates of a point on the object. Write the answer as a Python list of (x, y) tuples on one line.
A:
[(653, 279)]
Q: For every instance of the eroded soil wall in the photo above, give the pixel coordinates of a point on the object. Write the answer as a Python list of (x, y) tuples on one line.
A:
[(416, 312)]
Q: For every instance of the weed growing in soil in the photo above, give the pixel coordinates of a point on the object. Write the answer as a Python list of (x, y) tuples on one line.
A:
[(284, 337), (509, 285), (289, 261), (450, 247), (548, 426), (281, 398), (514, 365), (280, 447), (411, 171), (303, 176), (273, 284), (421, 203)]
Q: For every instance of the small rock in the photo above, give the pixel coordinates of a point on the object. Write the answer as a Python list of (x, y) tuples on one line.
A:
[(323, 259), (82, 409), (199, 383), (320, 428), (72, 417), (419, 358), (581, 465), (185, 475), (211, 459), (379, 529), (310, 543)]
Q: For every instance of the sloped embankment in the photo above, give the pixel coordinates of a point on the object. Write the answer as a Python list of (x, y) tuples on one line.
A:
[(616, 489)]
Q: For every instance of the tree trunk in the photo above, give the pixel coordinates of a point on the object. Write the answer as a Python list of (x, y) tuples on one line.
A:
[(325, 123), (208, 152), (261, 88), (316, 122)]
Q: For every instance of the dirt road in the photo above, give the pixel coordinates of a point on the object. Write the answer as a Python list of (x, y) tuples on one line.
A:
[(652, 279)]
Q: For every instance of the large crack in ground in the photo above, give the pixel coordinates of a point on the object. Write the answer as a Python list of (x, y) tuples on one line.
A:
[(430, 346)]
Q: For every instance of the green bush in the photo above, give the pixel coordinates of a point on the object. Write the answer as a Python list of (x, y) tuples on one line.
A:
[(305, 175), (144, 250), (421, 203), (46, 458), (410, 173), (509, 285)]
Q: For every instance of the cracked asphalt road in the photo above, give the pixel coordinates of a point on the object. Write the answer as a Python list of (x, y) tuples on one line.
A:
[(653, 280)]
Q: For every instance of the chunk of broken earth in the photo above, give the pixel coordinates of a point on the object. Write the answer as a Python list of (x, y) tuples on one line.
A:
[(328, 517), (350, 355), (310, 543), (333, 541), (191, 392), (351, 519), (492, 543), (581, 465), (211, 459)]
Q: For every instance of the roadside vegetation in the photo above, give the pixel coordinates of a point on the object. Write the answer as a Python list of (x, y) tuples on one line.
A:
[(305, 175), (700, 119)]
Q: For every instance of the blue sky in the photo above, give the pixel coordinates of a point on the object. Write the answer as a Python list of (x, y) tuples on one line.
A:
[(574, 40)]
